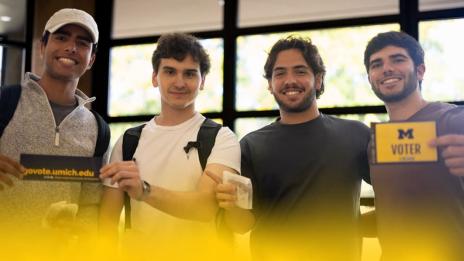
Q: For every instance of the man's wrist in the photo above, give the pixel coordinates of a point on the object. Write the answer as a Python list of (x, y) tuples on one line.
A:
[(146, 189)]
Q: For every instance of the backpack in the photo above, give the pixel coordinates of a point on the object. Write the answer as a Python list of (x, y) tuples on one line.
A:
[(9, 98), (204, 144)]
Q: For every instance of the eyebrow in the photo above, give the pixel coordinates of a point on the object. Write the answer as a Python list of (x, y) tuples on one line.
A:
[(191, 70), (300, 67), (293, 68), (67, 33), (396, 55), (375, 61), (167, 67), (85, 38)]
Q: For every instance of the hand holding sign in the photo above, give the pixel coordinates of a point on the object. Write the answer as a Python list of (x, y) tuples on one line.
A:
[(403, 142), (126, 174), (232, 190), (225, 193), (9, 167), (452, 153)]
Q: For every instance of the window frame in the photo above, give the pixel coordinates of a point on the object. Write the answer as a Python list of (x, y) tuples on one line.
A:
[(408, 17)]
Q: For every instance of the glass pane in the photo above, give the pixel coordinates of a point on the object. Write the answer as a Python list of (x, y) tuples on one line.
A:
[(132, 93), (366, 190), (13, 20), (118, 129), (271, 12), (443, 42), (243, 126), (366, 118), (134, 18), (341, 49), (12, 64), (1, 65), (428, 5)]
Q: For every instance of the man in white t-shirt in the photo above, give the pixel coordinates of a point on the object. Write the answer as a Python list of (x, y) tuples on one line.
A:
[(172, 201)]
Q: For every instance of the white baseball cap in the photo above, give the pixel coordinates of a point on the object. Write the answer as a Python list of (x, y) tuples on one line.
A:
[(72, 16)]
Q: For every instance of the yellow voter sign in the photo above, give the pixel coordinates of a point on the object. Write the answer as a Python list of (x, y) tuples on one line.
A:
[(404, 142)]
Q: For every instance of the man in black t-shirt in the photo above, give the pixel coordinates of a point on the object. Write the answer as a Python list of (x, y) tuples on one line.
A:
[(306, 168)]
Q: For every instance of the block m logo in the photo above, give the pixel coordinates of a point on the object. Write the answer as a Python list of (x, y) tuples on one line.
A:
[(405, 134)]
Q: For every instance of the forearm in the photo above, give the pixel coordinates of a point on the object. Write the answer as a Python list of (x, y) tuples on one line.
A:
[(110, 211), (194, 205), (239, 220)]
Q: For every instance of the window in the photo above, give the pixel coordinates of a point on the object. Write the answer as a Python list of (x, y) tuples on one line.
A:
[(118, 129), (243, 126), (340, 36), (273, 12), (131, 91), (341, 49), (15, 46), (1, 65), (442, 43), (137, 18), (428, 5)]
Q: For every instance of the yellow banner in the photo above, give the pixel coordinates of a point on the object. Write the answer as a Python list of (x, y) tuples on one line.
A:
[(404, 142)]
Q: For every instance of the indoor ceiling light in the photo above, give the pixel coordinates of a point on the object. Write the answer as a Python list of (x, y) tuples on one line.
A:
[(5, 18)]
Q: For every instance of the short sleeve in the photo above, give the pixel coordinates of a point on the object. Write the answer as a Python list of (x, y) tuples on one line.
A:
[(452, 121), (226, 150), (116, 155)]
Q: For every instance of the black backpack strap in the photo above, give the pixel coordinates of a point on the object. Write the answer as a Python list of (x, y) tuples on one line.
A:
[(9, 97), (207, 137), (130, 141), (103, 135)]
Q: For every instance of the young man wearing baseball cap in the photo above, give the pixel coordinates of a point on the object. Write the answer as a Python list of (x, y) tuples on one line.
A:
[(52, 118)]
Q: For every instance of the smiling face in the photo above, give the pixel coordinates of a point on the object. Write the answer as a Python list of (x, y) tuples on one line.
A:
[(179, 83), (68, 53), (293, 82), (393, 75)]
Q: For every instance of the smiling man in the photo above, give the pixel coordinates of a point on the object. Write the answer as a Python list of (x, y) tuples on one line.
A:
[(306, 168), (419, 206), (173, 204), (51, 118)]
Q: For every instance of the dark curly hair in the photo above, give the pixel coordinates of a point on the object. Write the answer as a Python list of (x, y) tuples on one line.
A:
[(398, 39), (307, 48), (178, 46)]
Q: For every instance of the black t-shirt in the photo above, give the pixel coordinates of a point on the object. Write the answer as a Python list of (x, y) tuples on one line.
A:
[(306, 186)]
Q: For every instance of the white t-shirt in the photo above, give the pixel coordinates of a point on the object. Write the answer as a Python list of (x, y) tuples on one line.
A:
[(162, 162)]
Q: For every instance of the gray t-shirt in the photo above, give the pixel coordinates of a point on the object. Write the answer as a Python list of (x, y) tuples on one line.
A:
[(420, 206), (61, 111)]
